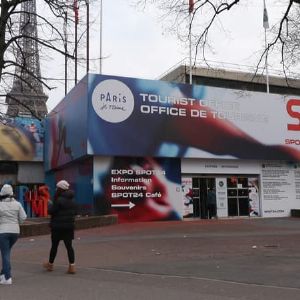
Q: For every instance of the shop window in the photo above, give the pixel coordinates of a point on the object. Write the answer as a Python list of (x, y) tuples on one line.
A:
[(243, 192), (232, 182), (243, 207), (195, 182), (232, 193), (242, 182), (238, 196), (8, 168), (196, 193), (232, 207)]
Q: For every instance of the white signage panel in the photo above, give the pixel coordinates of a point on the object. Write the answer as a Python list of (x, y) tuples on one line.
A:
[(221, 195), (278, 189)]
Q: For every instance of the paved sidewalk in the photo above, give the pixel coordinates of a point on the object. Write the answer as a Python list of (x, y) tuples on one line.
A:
[(209, 259)]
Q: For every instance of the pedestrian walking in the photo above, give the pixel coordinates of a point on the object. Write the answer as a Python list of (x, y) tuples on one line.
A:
[(63, 210), (12, 215)]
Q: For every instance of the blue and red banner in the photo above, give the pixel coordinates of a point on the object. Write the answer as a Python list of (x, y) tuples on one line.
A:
[(136, 117), (118, 116)]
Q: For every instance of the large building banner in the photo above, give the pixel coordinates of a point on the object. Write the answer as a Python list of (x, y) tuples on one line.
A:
[(66, 128), (136, 117), (138, 189)]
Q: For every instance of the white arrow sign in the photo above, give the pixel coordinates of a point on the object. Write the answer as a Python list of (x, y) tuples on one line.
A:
[(130, 205)]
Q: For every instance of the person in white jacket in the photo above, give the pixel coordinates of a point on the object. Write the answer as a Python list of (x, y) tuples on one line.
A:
[(12, 215)]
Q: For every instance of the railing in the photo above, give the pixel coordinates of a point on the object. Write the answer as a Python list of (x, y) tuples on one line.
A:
[(209, 64)]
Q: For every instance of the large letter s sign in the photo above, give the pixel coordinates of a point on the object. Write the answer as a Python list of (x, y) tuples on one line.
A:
[(293, 109)]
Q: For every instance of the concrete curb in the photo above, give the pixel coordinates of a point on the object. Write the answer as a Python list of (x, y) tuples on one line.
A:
[(40, 226)]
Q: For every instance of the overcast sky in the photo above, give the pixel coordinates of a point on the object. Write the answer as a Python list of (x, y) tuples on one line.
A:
[(135, 43)]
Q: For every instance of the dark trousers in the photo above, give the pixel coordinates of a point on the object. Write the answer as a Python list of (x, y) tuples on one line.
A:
[(7, 240), (69, 247), (211, 210)]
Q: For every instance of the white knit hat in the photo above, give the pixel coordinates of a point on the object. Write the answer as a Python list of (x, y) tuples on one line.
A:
[(7, 190), (63, 184)]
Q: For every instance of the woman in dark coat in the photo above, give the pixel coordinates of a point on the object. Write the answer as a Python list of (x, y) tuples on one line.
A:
[(63, 211)]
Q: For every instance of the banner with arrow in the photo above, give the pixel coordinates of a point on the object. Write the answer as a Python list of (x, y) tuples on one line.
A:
[(138, 189)]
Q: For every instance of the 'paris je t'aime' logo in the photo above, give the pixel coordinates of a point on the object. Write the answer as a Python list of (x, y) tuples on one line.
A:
[(113, 101)]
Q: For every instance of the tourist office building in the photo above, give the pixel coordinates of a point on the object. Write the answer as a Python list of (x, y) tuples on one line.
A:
[(150, 150)]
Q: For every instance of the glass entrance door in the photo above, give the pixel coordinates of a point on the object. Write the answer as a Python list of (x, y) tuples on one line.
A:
[(200, 189), (238, 196)]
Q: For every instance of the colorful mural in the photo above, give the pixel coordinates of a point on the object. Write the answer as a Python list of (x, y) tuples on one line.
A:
[(66, 128), (21, 139), (34, 199)]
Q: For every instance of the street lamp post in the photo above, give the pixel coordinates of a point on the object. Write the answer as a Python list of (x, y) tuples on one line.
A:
[(101, 21), (87, 36)]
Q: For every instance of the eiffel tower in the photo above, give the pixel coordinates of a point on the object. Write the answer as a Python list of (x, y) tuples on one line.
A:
[(27, 88)]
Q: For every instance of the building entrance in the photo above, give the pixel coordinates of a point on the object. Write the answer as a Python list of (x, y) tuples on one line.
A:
[(201, 186), (236, 195), (243, 198)]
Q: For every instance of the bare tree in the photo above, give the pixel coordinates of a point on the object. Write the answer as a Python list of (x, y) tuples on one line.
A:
[(52, 26), (10, 37), (207, 15)]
